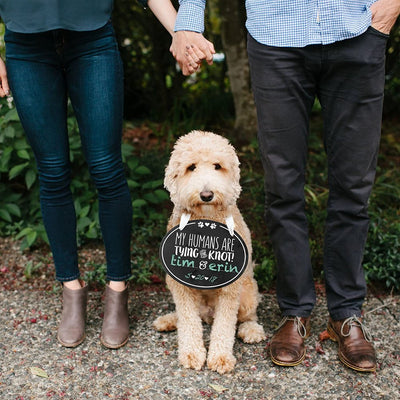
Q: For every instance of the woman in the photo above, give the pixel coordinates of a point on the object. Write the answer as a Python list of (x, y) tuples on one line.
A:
[(56, 50)]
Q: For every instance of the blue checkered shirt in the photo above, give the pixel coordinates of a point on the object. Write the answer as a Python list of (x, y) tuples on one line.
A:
[(290, 23)]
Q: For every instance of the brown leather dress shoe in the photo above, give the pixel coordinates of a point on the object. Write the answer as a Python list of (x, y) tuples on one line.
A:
[(355, 348), (287, 345), (115, 330)]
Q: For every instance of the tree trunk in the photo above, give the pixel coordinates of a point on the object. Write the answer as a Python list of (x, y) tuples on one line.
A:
[(233, 35)]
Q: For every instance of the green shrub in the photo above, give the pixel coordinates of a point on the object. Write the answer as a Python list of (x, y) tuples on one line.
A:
[(265, 273), (382, 254), (95, 274), (18, 179)]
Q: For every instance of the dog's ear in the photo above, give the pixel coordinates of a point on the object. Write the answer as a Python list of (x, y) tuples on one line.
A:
[(235, 166), (171, 173), (232, 160), (236, 174)]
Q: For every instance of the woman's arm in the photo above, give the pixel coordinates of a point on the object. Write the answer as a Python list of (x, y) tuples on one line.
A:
[(188, 48), (165, 13), (4, 88)]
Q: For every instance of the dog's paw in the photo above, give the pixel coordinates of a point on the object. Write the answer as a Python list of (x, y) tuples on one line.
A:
[(251, 332), (221, 363), (193, 359), (165, 323)]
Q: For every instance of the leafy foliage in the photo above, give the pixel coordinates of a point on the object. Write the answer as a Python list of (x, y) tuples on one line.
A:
[(382, 254), (18, 179)]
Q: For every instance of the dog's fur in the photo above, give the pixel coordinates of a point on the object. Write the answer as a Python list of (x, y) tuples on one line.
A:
[(204, 165)]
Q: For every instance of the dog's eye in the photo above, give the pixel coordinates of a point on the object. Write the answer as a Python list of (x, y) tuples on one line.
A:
[(217, 166), (191, 167)]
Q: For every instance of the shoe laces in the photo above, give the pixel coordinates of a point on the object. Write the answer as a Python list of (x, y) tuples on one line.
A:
[(301, 329), (354, 321)]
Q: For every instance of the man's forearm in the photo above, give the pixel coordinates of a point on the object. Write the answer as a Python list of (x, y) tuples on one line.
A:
[(190, 16), (189, 47)]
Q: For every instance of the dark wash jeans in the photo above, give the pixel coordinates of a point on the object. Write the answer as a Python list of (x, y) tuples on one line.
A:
[(348, 79), (44, 69)]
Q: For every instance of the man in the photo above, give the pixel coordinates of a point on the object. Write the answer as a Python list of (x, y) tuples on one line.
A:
[(299, 50)]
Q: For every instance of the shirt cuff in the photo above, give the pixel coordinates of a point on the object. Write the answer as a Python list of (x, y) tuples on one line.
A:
[(190, 17)]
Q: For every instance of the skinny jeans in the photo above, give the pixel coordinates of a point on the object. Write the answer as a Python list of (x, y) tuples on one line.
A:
[(45, 69), (348, 79)]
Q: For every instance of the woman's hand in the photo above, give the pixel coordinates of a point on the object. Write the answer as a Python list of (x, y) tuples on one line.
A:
[(4, 88), (190, 49)]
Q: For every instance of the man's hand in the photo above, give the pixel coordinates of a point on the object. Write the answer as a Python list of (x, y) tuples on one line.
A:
[(384, 14), (4, 88), (190, 49)]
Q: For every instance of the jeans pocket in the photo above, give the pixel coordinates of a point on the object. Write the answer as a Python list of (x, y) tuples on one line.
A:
[(375, 32)]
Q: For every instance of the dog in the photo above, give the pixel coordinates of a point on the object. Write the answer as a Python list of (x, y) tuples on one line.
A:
[(202, 177)]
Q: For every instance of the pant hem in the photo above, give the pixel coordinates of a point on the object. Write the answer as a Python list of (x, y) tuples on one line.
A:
[(67, 279), (118, 278), (345, 314)]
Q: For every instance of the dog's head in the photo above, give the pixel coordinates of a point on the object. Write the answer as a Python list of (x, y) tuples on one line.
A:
[(203, 172)]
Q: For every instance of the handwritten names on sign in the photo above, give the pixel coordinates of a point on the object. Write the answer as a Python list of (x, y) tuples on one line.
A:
[(203, 255)]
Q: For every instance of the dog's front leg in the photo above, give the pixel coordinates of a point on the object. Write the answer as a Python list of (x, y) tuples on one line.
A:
[(192, 353), (220, 353)]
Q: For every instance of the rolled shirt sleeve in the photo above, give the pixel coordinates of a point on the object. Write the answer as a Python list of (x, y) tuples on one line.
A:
[(190, 16)]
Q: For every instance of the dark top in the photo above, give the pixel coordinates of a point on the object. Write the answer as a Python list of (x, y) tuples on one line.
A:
[(30, 16)]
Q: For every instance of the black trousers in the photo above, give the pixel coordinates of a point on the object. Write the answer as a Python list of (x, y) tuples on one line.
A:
[(348, 79)]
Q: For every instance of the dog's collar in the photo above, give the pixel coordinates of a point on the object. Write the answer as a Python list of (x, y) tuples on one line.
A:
[(230, 223)]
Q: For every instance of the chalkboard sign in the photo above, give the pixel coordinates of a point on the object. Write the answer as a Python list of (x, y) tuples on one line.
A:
[(203, 255)]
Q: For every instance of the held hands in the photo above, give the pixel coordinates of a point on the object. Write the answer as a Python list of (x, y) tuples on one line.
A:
[(190, 49), (4, 88), (384, 14)]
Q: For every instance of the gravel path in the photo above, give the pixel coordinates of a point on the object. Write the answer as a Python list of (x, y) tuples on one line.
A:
[(34, 366)]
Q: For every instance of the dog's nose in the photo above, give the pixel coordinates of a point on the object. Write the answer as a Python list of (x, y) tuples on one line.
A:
[(206, 195)]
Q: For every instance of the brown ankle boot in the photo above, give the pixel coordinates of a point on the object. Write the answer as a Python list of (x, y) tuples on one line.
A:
[(71, 331), (115, 330)]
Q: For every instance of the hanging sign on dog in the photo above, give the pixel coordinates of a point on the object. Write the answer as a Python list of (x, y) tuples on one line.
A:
[(203, 254)]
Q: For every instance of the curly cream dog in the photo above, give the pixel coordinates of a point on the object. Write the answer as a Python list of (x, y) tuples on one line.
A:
[(203, 180)]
